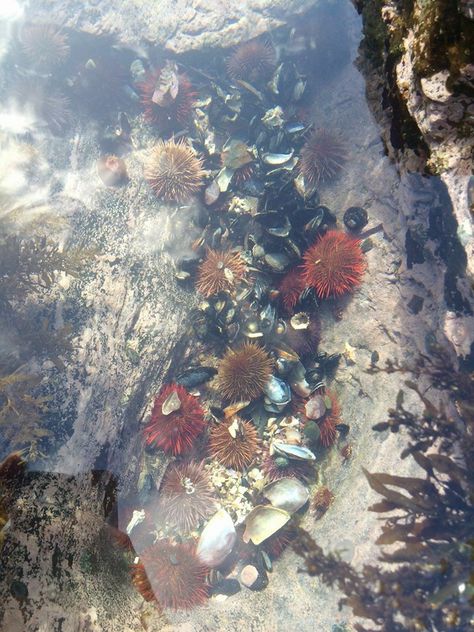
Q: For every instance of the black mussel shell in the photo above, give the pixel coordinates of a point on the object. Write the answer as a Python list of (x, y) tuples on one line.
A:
[(275, 224), (355, 218), (195, 375)]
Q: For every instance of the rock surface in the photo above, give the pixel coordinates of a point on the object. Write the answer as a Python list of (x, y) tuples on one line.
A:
[(177, 25)]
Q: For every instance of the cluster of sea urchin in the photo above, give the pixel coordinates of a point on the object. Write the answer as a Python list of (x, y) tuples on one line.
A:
[(252, 61), (177, 419), (172, 575), (234, 443), (243, 372), (322, 157), (166, 113), (186, 495), (220, 272), (173, 170), (334, 264)]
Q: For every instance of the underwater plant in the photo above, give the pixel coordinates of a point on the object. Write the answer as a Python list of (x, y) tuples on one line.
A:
[(186, 495), (177, 419), (112, 171), (45, 45), (252, 61), (243, 372), (334, 264), (172, 575), (167, 97), (220, 271), (234, 443), (322, 157), (32, 264), (173, 170), (425, 579)]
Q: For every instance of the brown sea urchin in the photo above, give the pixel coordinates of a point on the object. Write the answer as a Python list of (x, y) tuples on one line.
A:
[(243, 372), (220, 271), (172, 575), (44, 45), (173, 170), (251, 61), (234, 443), (186, 496), (322, 157)]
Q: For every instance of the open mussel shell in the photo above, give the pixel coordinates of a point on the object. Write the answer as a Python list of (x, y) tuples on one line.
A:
[(288, 494), (298, 381), (262, 522), (277, 394), (296, 452), (274, 224), (217, 539)]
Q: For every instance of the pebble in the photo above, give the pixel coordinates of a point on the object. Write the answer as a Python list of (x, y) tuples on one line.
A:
[(249, 575)]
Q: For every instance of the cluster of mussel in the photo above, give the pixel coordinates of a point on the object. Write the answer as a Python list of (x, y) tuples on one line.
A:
[(259, 408)]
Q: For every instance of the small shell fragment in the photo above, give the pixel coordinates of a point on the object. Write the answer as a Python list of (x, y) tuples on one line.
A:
[(171, 404), (262, 522), (300, 320)]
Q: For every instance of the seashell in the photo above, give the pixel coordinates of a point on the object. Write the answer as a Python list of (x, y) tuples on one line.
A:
[(277, 159), (262, 522), (296, 452), (294, 127), (315, 407), (275, 117), (277, 391), (233, 409), (289, 166), (223, 178), (171, 404), (298, 382), (288, 494), (195, 375), (211, 193), (300, 321), (251, 329), (217, 539), (274, 223), (277, 261)]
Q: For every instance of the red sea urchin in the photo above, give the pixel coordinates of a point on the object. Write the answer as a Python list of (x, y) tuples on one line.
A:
[(186, 496), (177, 419), (173, 170), (220, 271), (252, 61), (327, 427), (167, 112), (290, 288), (243, 372), (172, 575), (334, 264), (322, 157)]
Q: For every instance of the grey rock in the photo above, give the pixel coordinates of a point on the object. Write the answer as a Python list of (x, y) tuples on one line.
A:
[(177, 25)]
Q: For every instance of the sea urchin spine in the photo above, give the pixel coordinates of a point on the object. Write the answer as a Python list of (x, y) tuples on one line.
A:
[(334, 264), (177, 419)]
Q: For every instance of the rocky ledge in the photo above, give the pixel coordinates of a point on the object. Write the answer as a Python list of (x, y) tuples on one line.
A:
[(177, 25)]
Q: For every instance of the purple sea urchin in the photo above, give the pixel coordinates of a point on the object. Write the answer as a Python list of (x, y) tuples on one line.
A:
[(322, 157)]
